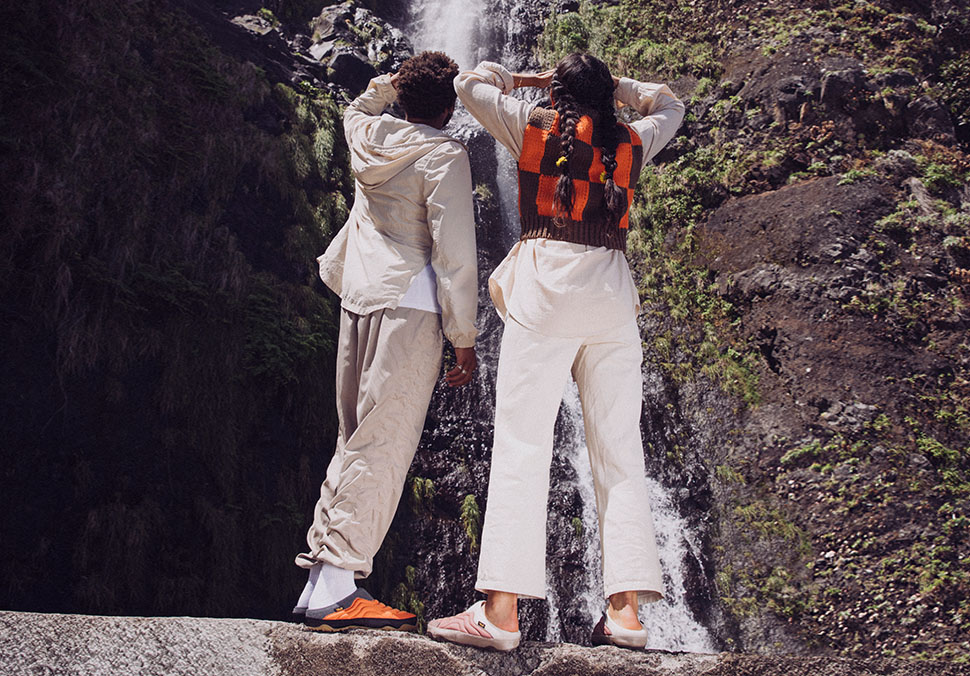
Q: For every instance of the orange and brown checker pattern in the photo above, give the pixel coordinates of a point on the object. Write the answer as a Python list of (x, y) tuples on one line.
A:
[(538, 175)]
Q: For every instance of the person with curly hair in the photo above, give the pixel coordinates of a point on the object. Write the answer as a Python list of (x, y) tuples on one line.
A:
[(405, 267), (570, 306)]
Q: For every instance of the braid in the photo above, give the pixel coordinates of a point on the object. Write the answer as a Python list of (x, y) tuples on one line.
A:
[(614, 197), (583, 84), (568, 119)]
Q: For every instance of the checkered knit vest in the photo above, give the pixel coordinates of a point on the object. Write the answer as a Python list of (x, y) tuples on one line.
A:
[(538, 175)]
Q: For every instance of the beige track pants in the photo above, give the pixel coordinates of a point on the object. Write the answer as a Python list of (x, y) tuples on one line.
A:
[(387, 365), (532, 375)]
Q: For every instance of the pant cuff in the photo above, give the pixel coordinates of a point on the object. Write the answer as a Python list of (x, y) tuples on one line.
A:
[(646, 592), (523, 591)]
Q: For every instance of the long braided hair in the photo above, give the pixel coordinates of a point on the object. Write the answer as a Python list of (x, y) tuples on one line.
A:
[(582, 85)]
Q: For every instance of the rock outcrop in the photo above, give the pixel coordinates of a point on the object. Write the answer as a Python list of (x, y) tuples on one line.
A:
[(79, 645)]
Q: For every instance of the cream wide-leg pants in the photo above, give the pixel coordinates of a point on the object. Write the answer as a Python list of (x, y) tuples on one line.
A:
[(387, 365), (532, 375)]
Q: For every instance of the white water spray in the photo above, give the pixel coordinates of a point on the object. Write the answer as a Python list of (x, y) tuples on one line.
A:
[(449, 26), (669, 622)]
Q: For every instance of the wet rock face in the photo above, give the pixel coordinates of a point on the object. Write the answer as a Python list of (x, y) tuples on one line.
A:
[(340, 49), (356, 45)]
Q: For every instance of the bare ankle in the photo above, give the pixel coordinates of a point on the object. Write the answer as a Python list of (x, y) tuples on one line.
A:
[(501, 609), (624, 609)]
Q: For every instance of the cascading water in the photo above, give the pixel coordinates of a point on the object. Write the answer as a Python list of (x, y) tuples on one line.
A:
[(496, 30)]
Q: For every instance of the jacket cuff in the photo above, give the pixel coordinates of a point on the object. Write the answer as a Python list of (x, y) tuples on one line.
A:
[(462, 339), (497, 75), (382, 84), (644, 97)]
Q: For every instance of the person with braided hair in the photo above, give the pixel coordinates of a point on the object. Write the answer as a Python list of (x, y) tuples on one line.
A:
[(570, 305)]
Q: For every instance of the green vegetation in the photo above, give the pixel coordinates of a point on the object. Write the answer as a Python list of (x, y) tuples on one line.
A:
[(638, 36), (769, 522), (471, 521), (406, 598), (809, 450), (697, 323), (955, 87), (886, 492), (483, 193), (729, 474), (577, 525), (159, 253), (854, 175), (420, 494), (267, 15)]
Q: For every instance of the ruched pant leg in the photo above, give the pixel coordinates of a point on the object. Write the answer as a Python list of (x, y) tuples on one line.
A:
[(387, 364)]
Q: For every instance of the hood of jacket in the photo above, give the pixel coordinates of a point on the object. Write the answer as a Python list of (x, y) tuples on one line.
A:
[(385, 145)]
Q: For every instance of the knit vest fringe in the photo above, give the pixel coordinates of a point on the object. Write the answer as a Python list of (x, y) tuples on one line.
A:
[(538, 175)]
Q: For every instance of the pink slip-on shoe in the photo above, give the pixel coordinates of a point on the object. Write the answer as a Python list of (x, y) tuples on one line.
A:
[(473, 628)]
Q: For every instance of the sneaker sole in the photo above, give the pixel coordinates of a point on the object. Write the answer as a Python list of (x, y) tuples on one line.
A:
[(477, 641), (344, 625)]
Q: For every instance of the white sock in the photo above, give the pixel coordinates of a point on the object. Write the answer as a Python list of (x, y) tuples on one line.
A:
[(333, 584), (308, 588)]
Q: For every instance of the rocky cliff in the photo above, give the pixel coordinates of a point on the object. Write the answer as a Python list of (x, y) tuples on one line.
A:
[(164, 333), (803, 248)]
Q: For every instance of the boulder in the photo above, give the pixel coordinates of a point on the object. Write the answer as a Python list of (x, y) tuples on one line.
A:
[(841, 89), (351, 71), (76, 645), (356, 44), (332, 22), (790, 94), (925, 118), (896, 79)]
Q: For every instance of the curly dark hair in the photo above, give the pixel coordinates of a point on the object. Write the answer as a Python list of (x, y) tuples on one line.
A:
[(425, 87), (583, 85)]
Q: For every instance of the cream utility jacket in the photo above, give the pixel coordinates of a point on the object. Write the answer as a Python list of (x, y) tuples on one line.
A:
[(413, 205)]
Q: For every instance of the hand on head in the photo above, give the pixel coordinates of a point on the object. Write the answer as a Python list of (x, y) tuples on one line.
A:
[(540, 80), (544, 79)]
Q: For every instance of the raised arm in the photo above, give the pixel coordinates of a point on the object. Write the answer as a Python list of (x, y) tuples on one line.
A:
[(484, 92), (662, 110), (367, 107)]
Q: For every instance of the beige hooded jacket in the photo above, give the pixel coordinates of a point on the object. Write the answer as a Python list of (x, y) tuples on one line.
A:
[(413, 205)]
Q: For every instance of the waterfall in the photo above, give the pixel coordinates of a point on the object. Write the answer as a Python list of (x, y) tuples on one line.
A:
[(670, 624), (498, 30), (449, 26)]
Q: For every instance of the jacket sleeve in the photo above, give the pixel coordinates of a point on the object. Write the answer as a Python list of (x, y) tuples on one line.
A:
[(484, 92), (662, 111), (454, 257), (367, 107)]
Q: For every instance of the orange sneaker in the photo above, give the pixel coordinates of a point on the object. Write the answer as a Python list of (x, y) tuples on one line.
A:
[(359, 611)]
